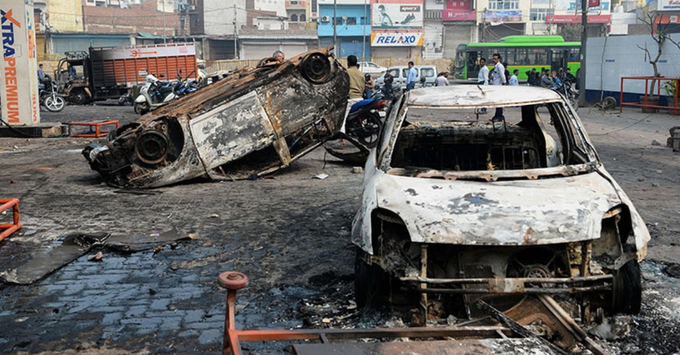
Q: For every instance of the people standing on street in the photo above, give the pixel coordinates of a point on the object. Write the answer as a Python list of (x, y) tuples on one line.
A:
[(498, 78), (546, 81), (532, 77), (569, 77), (387, 86), (357, 85), (368, 86), (279, 56), (411, 78), (483, 76), (442, 79), (514, 81), (556, 82)]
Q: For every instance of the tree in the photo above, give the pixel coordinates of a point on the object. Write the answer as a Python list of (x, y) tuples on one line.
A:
[(571, 32), (660, 36)]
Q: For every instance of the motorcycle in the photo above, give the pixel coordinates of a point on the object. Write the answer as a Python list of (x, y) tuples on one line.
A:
[(52, 101), (364, 122), (153, 94), (567, 89)]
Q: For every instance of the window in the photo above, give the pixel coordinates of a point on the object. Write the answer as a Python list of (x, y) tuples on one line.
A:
[(540, 14), (303, 18), (351, 20), (294, 17), (337, 20), (503, 4)]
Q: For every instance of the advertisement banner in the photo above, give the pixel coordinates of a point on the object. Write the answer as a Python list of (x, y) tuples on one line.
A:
[(459, 15), (19, 69), (502, 16), (668, 5), (553, 19), (397, 15), (397, 23), (396, 39)]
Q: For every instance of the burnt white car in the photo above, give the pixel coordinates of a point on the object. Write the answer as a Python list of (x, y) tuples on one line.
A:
[(456, 203)]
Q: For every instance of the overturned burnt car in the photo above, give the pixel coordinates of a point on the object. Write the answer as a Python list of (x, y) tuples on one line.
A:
[(460, 207), (253, 122)]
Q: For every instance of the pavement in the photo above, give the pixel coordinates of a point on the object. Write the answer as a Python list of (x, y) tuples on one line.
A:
[(289, 233)]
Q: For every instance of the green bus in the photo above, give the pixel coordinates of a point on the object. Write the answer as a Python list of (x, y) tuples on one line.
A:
[(519, 52)]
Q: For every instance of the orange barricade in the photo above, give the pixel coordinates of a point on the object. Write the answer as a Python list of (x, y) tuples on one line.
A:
[(98, 132), (8, 228)]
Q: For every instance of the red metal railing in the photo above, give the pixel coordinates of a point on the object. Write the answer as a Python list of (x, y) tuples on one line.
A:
[(646, 101), (8, 228), (98, 132)]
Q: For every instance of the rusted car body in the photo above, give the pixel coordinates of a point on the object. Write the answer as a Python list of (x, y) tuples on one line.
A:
[(250, 123), (469, 208)]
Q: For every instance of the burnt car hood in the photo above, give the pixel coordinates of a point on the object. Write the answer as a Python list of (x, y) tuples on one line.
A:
[(251, 123), (512, 212)]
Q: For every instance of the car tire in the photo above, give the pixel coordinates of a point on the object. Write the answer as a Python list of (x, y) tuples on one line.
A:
[(79, 97), (315, 67), (371, 131), (627, 289), (369, 282)]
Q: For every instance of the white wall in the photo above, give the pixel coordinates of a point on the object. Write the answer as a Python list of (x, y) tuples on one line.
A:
[(272, 5), (219, 16), (610, 58)]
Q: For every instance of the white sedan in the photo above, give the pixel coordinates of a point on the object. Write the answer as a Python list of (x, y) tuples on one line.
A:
[(371, 68)]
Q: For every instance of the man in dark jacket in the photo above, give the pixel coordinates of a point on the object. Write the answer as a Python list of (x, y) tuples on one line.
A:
[(532, 77)]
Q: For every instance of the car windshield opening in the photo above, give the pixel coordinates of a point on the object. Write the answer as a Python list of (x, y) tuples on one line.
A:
[(469, 139)]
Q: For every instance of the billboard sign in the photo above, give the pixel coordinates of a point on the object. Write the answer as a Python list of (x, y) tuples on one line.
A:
[(502, 16), (553, 19), (668, 5), (397, 23)]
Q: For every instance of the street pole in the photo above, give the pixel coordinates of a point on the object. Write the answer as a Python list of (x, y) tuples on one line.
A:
[(163, 2), (584, 40), (363, 44), (235, 49), (335, 32)]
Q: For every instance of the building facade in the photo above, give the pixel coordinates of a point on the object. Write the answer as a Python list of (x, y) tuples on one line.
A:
[(346, 25)]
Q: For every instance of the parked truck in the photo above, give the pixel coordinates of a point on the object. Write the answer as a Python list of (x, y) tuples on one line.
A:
[(112, 73)]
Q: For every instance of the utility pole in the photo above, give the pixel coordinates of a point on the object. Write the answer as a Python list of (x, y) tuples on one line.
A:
[(163, 2), (363, 44), (584, 40), (335, 32), (235, 49)]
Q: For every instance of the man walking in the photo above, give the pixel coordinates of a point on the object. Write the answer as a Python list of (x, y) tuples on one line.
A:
[(514, 81), (483, 76), (498, 78), (411, 78)]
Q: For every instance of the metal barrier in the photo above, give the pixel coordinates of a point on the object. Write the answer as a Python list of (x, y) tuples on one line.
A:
[(8, 228), (231, 344), (97, 128), (649, 102)]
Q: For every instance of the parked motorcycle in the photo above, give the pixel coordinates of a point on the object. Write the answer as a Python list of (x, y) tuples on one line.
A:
[(567, 89), (364, 121), (48, 96), (153, 94)]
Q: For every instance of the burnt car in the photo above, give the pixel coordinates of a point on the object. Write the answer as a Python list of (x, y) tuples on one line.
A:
[(460, 206), (253, 122)]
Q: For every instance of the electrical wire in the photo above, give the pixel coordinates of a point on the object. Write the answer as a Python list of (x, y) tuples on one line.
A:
[(22, 134), (621, 129)]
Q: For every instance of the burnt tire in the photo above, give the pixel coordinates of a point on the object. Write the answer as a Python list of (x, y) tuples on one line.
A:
[(627, 289), (315, 67), (369, 282), (79, 97)]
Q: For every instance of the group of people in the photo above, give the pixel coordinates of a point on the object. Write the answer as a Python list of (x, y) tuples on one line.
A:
[(551, 79), (499, 75)]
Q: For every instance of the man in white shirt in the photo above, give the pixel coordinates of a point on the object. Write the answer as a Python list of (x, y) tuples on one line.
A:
[(514, 81), (498, 78), (483, 76), (411, 78)]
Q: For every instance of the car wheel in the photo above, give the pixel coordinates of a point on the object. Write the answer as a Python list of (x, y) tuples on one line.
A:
[(141, 108), (627, 289), (369, 282), (55, 103), (315, 67)]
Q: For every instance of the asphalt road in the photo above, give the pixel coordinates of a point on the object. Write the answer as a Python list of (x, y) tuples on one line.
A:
[(289, 233)]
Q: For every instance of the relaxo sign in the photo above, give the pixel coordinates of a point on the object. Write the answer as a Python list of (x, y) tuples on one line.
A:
[(396, 39), (18, 68)]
